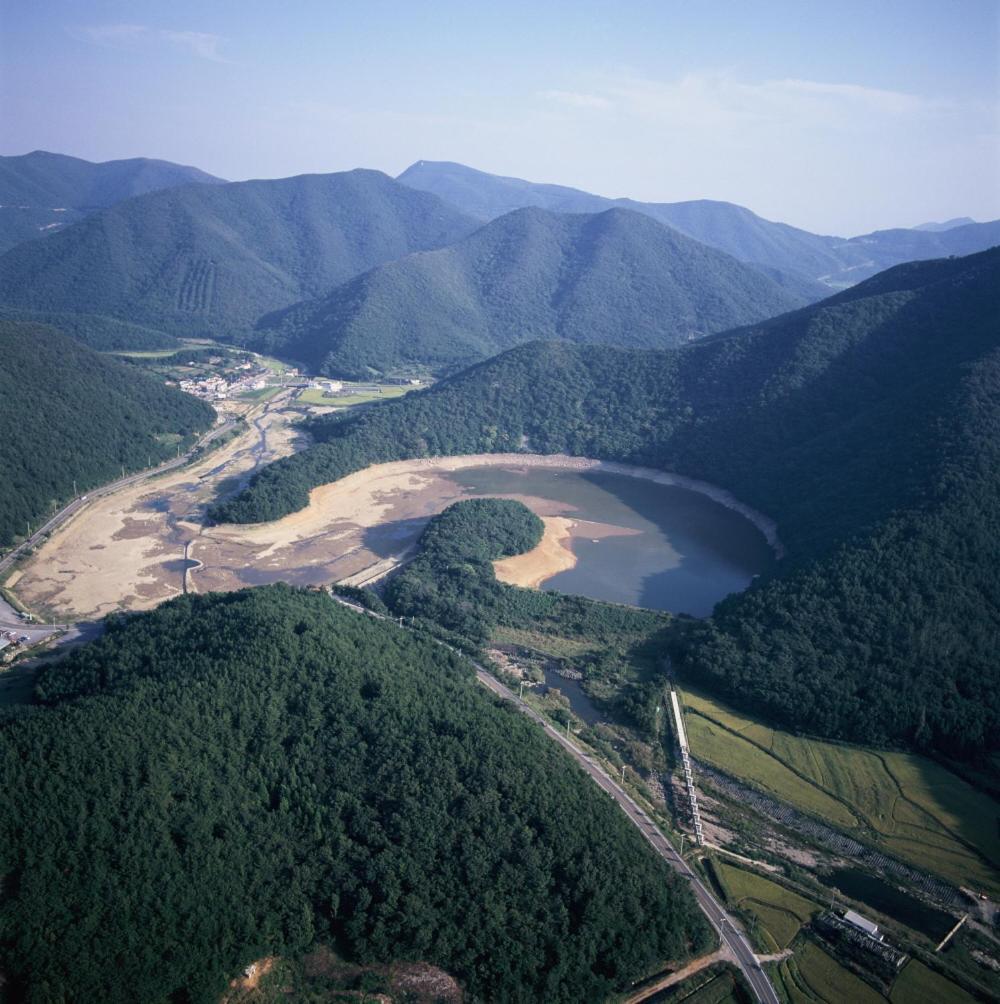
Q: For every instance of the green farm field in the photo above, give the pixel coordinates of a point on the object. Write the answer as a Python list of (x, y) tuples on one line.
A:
[(917, 984), (780, 912), (915, 808), (813, 976), (316, 396)]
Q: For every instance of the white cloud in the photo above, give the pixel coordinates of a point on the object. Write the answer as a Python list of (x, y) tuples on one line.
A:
[(577, 100), (891, 102), (113, 34), (715, 100), (199, 43)]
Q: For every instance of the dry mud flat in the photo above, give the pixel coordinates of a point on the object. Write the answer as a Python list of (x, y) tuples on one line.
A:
[(127, 551)]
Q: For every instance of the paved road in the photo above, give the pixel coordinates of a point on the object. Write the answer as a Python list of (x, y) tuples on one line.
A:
[(78, 503), (731, 936)]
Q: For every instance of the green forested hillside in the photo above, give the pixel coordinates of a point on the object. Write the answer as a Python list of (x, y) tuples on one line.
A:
[(233, 776), (614, 277), (820, 261), (451, 581), (48, 179), (70, 414), (868, 426), (42, 192), (211, 259), (104, 334)]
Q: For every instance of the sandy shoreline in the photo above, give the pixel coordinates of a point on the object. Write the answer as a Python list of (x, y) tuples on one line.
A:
[(552, 555)]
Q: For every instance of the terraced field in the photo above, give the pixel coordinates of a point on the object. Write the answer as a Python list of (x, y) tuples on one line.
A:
[(915, 808)]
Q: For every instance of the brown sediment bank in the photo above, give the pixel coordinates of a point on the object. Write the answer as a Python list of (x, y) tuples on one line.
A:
[(552, 555)]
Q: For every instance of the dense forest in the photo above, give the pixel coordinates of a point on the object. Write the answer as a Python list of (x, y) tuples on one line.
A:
[(42, 192), (868, 426), (451, 581), (209, 260), (103, 334), (231, 776), (69, 415), (615, 278)]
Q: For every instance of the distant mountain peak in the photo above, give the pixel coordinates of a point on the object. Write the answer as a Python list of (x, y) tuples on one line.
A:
[(958, 221)]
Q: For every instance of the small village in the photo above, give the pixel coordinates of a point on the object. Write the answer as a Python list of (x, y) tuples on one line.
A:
[(218, 379)]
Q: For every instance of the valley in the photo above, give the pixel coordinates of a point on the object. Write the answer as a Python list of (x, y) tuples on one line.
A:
[(429, 585)]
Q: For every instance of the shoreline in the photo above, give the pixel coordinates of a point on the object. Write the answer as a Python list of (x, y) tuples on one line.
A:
[(557, 461), (549, 557)]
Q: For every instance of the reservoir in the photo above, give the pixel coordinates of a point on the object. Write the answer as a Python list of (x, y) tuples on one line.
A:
[(635, 541)]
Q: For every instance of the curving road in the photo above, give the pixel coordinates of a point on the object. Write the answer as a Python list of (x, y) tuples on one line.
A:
[(732, 937)]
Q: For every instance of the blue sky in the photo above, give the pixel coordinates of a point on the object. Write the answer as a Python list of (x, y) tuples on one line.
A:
[(840, 117)]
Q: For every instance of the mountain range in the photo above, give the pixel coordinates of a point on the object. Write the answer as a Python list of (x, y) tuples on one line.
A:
[(209, 260), (834, 262), (43, 192), (868, 426), (357, 274), (615, 277)]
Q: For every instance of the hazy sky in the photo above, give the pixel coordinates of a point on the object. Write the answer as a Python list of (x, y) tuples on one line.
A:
[(840, 117)]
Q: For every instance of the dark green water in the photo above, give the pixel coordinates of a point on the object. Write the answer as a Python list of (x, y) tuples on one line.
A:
[(687, 553), (891, 901)]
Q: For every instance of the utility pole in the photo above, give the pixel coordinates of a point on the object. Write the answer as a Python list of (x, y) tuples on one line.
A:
[(520, 691), (74, 487), (623, 774), (683, 835)]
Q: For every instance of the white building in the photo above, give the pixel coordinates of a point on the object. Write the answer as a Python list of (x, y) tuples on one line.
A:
[(862, 924)]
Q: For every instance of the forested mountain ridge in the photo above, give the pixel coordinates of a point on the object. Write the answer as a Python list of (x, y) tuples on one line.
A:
[(251, 773), (48, 179), (105, 334), (69, 415), (614, 277), (211, 259), (833, 261), (868, 426), (41, 192)]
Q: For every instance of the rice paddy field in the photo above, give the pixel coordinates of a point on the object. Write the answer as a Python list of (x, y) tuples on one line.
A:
[(812, 976), (386, 392), (917, 984), (913, 807), (780, 912)]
